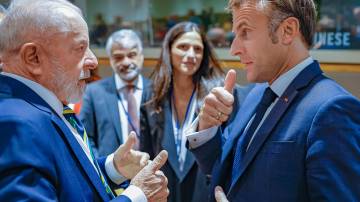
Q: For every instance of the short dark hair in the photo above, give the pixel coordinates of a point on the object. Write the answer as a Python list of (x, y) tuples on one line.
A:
[(279, 10)]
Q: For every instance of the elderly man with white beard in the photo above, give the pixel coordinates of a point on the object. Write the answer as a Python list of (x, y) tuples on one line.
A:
[(45, 152)]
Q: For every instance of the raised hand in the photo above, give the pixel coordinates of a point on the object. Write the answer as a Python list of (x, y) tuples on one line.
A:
[(152, 181), (218, 104), (127, 161)]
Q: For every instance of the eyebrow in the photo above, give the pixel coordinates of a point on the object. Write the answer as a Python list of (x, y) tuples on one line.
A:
[(241, 24)]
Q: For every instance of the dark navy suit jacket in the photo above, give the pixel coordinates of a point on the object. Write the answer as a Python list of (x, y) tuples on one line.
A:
[(189, 185), (307, 149), (40, 159), (100, 115)]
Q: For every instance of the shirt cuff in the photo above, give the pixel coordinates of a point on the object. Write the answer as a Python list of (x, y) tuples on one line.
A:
[(196, 139), (135, 194), (111, 171)]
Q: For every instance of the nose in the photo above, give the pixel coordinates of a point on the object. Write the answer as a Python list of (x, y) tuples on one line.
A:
[(126, 62), (91, 61), (236, 47), (190, 54)]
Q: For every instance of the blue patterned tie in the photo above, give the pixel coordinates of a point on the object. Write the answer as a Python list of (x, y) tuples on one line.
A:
[(70, 116), (267, 98)]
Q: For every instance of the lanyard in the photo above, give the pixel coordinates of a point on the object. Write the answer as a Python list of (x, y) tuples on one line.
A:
[(178, 132), (127, 115)]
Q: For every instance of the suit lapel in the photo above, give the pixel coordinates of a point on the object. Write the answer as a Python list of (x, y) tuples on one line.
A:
[(302, 80), (147, 88), (81, 156), (241, 121), (221, 169), (111, 100), (168, 143)]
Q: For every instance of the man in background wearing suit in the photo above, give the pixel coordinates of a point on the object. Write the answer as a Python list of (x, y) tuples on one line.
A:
[(297, 135), (111, 107), (45, 154)]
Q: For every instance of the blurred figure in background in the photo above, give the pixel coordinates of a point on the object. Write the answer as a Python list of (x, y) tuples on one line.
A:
[(110, 108), (99, 32), (186, 72), (217, 37), (2, 12)]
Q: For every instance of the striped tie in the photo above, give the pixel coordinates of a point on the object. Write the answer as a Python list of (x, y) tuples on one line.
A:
[(69, 114)]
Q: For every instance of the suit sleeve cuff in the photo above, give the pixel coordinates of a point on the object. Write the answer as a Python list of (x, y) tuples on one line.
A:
[(135, 194), (196, 139), (111, 171)]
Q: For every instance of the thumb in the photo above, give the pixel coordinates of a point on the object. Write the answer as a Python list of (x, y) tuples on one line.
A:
[(158, 161), (220, 195), (128, 145), (230, 80)]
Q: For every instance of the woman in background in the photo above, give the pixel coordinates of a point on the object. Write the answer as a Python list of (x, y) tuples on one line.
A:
[(186, 72)]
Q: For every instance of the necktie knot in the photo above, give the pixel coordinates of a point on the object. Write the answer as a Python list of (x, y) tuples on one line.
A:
[(130, 88), (268, 97), (67, 110), (70, 116)]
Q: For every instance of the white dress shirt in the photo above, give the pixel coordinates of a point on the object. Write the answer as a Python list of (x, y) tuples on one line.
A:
[(122, 102), (196, 139), (134, 193)]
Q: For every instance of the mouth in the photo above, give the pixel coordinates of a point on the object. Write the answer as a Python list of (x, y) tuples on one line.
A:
[(247, 63), (128, 69), (84, 75), (190, 64)]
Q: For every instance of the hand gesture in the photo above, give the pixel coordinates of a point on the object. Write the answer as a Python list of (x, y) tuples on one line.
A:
[(218, 104), (127, 161), (152, 181)]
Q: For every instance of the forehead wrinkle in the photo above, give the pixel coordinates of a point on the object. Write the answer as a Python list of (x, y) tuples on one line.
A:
[(123, 51)]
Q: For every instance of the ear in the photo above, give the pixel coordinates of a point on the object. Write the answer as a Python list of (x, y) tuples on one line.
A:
[(290, 29), (31, 56)]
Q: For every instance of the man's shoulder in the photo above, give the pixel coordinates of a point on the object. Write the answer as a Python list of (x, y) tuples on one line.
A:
[(19, 109), (103, 81), (100, 85), (326, 88)]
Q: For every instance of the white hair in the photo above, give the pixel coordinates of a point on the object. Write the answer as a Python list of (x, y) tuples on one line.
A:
[(124, 37), (27, 19)]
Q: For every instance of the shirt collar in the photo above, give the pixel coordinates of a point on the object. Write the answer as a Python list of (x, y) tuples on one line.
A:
[(48, 96), (120, 84), (280, 84)]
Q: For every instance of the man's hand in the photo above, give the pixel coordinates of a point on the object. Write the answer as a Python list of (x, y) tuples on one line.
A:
[(152, 181), (129, 162), (220, 195), (218, 104)]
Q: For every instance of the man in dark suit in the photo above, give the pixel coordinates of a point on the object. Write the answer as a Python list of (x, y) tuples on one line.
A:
[(297, 135), (109, 111), (45, 154)]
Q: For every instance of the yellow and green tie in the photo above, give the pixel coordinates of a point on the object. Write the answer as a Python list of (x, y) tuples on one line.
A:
[(70, 116)]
